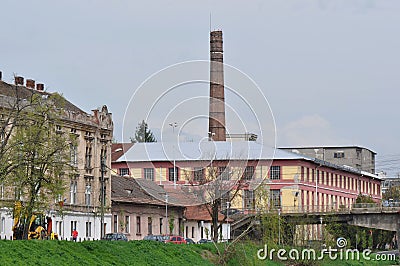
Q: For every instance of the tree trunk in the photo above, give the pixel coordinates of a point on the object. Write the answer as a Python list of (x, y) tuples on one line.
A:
[(215, 208)]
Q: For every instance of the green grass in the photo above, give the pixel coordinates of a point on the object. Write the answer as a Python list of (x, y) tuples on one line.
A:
[(138, 253)]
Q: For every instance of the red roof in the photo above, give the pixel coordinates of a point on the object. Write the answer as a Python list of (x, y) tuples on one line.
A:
[(119, 149), (200, 213)]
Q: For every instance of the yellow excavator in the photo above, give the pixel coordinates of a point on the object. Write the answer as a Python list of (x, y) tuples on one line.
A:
[(40, 226)]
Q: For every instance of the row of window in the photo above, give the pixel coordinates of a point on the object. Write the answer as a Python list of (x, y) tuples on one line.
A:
[(88, 193), (341, 181), (59, 228), (199, 174), (124, 226)]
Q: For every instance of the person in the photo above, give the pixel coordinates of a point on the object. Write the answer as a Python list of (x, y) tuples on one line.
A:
[(74, 235)]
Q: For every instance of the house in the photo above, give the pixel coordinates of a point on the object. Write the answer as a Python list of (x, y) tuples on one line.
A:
[(79, 207), (357, 157), (140, 208)]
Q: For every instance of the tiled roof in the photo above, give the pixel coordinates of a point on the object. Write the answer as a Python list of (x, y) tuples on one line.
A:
[(12, 91), (141, 191), (200, 213)]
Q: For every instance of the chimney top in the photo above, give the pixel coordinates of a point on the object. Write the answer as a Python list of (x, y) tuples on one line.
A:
[(18, 80), (40, 87), (1, 75), (30, 83)]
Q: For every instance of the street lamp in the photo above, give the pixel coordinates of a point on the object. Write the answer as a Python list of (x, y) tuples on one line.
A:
[(102, 194), (322, 229), (102, 190), (174, 125), (166, 214), (279, 226), (228, 204), (210, 136)]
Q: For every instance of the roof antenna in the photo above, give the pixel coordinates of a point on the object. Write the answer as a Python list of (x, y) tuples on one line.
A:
[(210, 21)]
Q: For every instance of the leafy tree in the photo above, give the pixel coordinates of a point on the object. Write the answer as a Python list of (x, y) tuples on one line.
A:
[(143, 133), (39, 155), (358, 236)]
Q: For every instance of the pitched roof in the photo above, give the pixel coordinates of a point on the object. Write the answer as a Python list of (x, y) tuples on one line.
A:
[(127, 189), (200, 213), (13, 91), (119, 149), (191, 151)]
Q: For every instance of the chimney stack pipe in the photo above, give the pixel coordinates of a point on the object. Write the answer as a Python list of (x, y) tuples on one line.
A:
[(18, 80), (216, 121), (40, 87), (30, 83)]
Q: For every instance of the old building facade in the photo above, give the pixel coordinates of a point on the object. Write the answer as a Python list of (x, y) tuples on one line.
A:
[(79, 208)]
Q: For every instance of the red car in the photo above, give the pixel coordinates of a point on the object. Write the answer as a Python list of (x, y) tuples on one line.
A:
[(176, 240)]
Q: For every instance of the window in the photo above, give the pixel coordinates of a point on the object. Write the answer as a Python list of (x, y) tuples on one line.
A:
[(339, 154), (72, 192), (225, 198), (186, 231), (138, 230), (149, 226), (171, 174), (249, 199), (88, 157), (73, 154), (123, 171), (127, 224), (248, 173), (275, 196), (88, 229), (3, 224), (275, 172), (59, 227), (88, 192), (115, 223), (358, 154), (73, 226), (161, 225), (224, 172), (198, 174), (192, 231), (149, 173)]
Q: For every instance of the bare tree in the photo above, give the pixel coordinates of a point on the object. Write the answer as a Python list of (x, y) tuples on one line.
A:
[(14, 101), (221, 182)]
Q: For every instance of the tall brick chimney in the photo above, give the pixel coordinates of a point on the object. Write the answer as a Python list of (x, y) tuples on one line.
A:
[(216, 120)]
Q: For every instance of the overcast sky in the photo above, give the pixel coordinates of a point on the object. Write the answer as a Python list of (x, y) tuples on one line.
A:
[(329, 69)]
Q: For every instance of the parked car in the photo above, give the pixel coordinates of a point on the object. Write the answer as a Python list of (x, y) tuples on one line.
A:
[(158, 238), (115, 237), (176, 240), (189, 241), (202, 241)]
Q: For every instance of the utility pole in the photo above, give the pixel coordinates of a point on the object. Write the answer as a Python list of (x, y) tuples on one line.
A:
[(102, 196)]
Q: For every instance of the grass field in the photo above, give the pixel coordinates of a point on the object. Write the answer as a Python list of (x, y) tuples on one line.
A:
[(137, 253)]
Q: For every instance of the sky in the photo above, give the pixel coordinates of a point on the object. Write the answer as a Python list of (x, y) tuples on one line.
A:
[(303, 72)]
